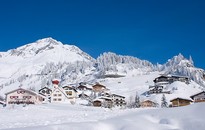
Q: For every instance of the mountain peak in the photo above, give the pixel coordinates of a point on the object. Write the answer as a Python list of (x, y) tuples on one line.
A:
[(49, 40)]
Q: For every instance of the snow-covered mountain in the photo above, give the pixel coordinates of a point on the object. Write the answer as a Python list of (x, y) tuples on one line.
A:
[(179, 65), (111, 63), (34, 66)]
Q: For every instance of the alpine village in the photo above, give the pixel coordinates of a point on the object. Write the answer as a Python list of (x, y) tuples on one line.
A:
[(98, 95)]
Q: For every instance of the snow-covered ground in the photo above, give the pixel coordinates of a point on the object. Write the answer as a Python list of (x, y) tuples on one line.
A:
[(75, 117)]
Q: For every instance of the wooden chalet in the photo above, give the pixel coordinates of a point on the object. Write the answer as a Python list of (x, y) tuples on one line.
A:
[(177, 102), (118, 100), (23, 96), (148, 103), (45, 91), (98, 88), (168, 79), (97, 102), (199, 97), (103, 102), (163, 78), (155, 89), (184, 79)]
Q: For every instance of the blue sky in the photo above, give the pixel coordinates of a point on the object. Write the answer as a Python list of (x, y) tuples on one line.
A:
[(148, 29)]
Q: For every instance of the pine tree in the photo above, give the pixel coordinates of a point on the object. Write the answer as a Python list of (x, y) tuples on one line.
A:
[(164, 103), (137, 100)]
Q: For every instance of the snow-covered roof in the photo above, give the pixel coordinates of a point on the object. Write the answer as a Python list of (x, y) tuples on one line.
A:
[(197, 94), (33, 92), (115, 95), (182, 98)]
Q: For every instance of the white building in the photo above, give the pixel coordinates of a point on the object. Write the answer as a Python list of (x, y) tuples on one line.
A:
[(63, 95), (23, 96)]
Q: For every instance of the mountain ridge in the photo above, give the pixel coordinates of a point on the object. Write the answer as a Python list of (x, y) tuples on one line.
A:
[(35, 64)]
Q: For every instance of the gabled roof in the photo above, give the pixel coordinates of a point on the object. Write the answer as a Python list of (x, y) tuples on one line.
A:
[(148, 100), (181, 99), (21, 89), (99, 85), (30, 91), (179, 76), (196, 94), (118, 95), (82, 86), (45, 88), (103, 97), (70, 88), (61, 90)]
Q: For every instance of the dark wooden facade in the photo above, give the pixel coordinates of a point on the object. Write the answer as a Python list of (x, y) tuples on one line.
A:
[(199, 97), (98, 88), (171, 79), (177, 102), (148, 103)]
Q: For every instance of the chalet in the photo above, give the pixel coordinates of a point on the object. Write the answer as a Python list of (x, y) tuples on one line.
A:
[(184, 79), (163, 78), (177, 102), (97, 102), (155, 89), (82, 88), (71, 92), (148, 103), (118, 100), (98, 88), (58, 95), (23, 96), (65, 94), (168, 79), (45, 91), (199, 97), (103, 102)]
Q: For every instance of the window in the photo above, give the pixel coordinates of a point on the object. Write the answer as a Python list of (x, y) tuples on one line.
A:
[(69, 92), (59, 99), (54, 99), (59, 95), (20, 91), (55, 95), (13, 97), (26, 97)]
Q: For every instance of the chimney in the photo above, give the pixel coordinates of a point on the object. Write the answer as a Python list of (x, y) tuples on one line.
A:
[(55, 83)]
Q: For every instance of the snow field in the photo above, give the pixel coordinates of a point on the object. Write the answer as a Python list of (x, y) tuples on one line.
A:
[(68, 117)]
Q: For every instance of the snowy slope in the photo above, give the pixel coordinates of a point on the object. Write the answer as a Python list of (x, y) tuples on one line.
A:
[(179, 65), (63, 116), (129, 85)]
